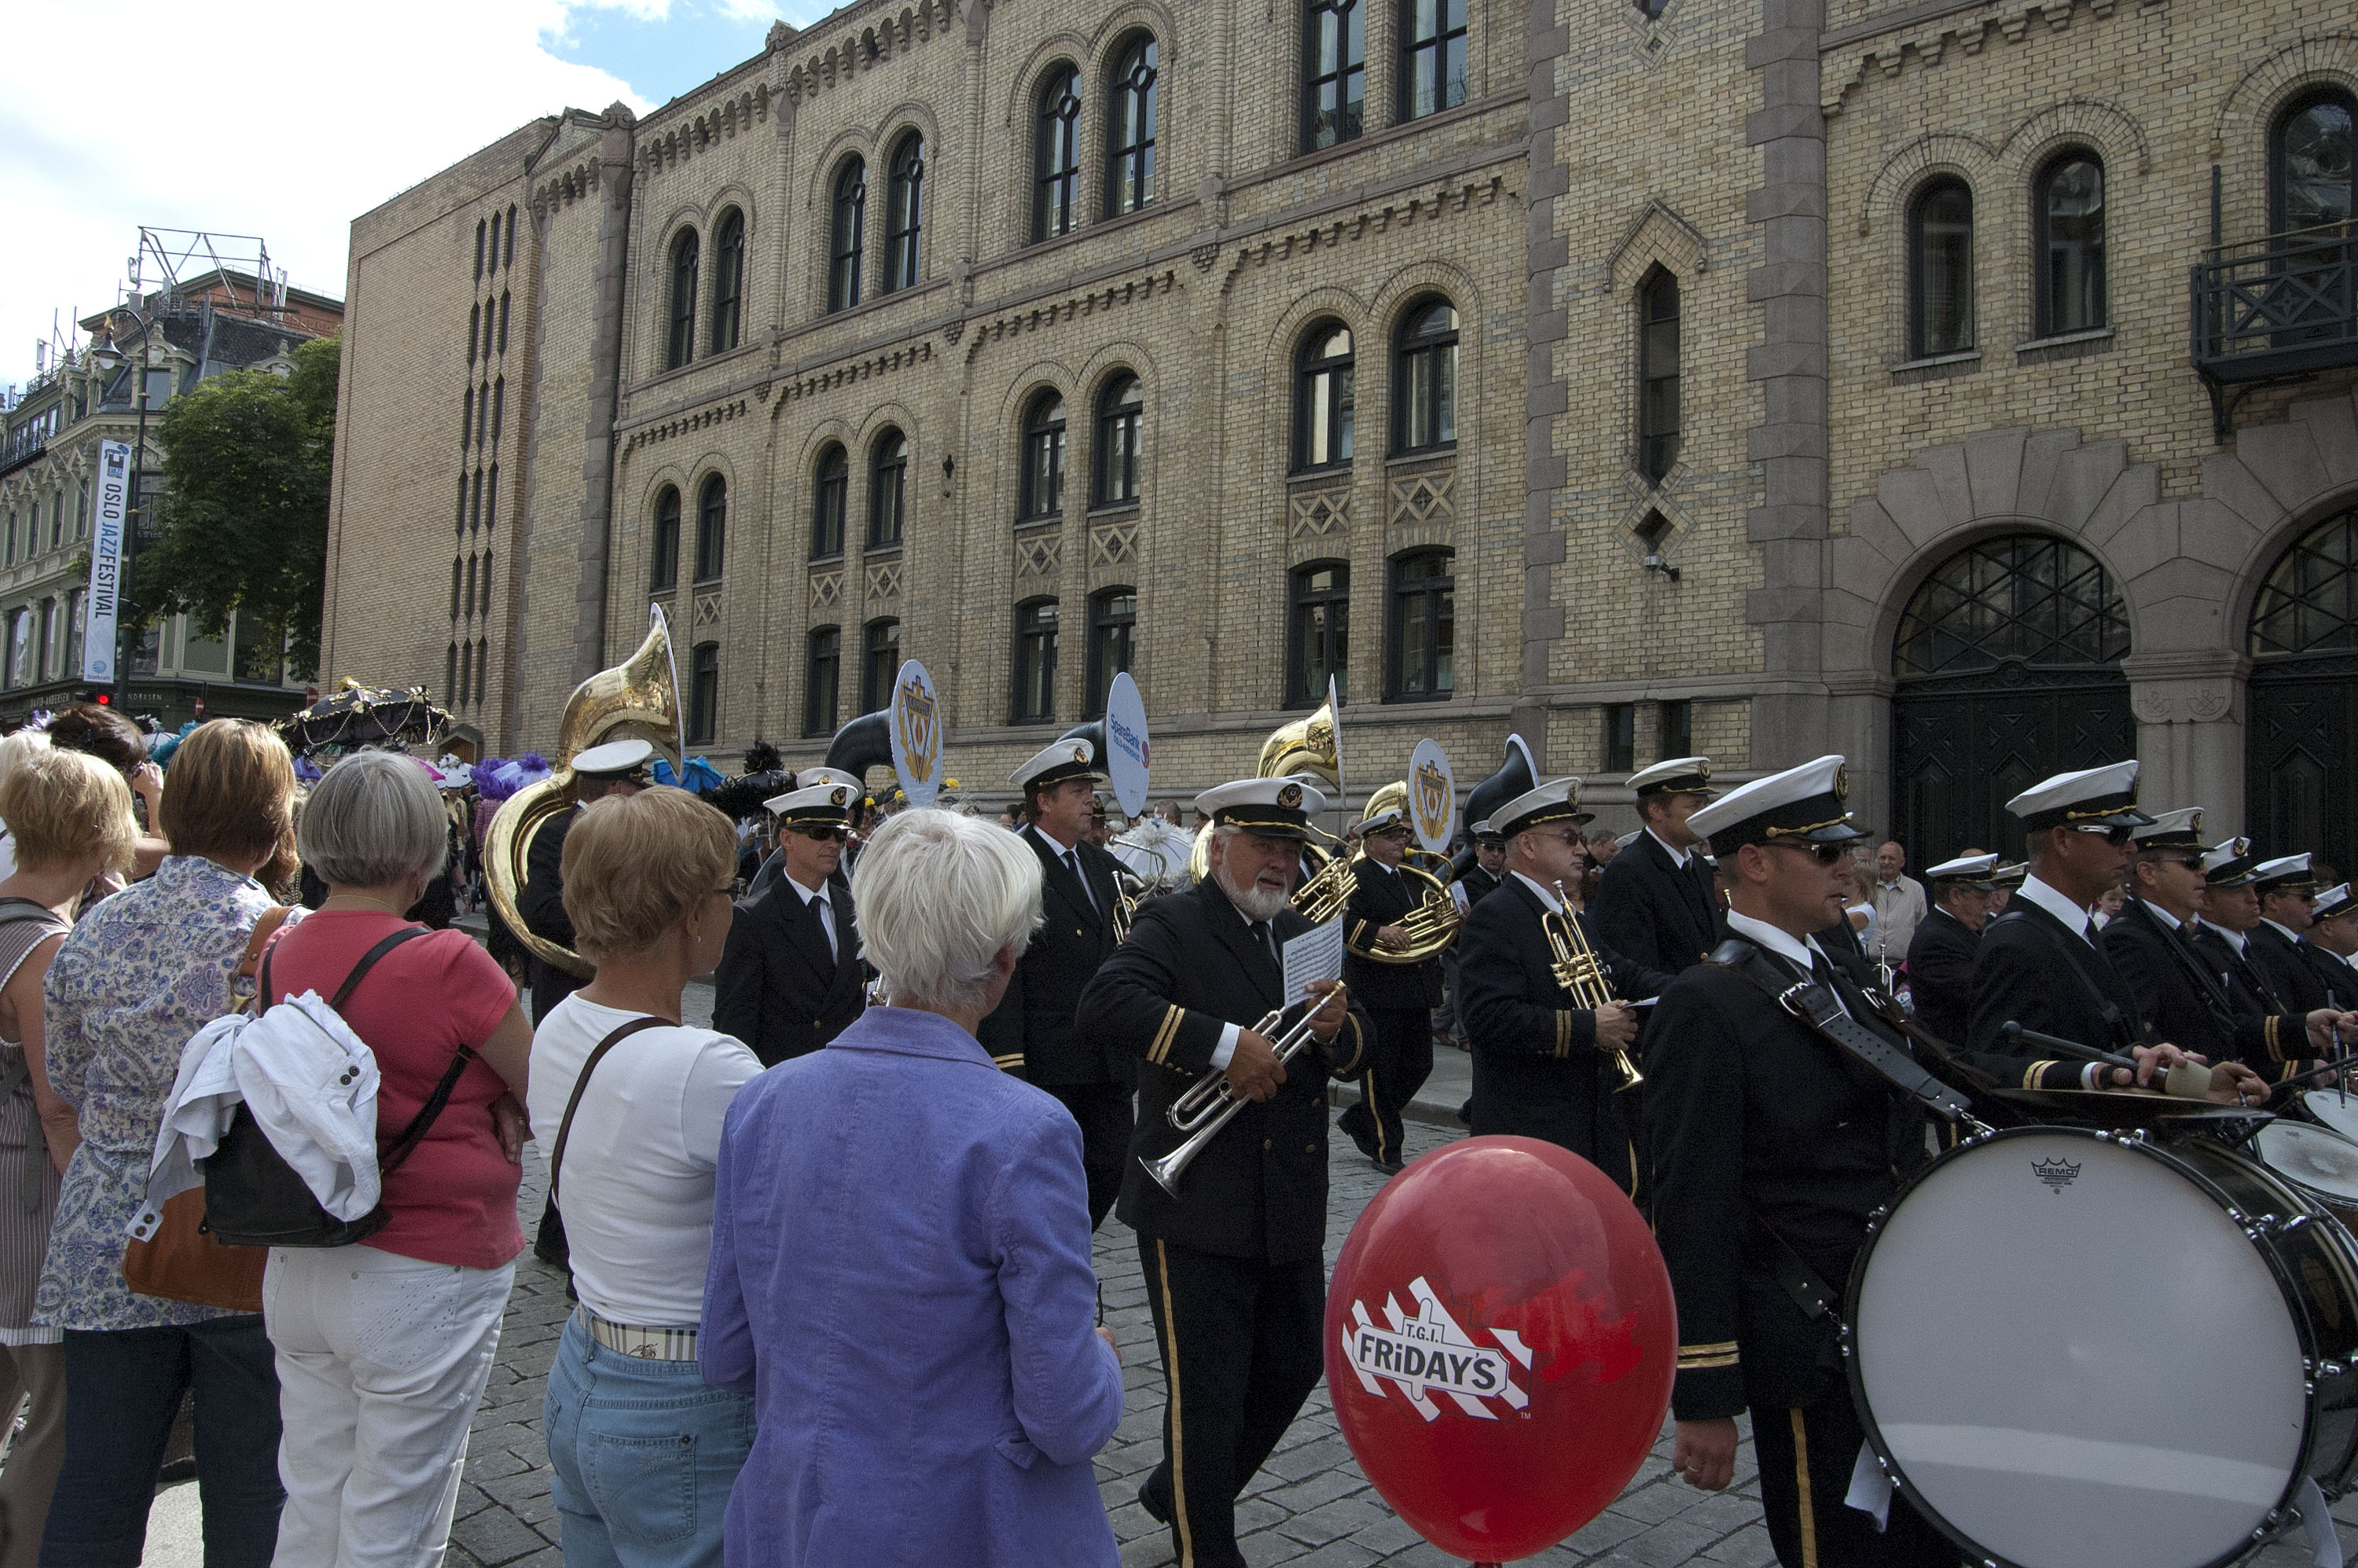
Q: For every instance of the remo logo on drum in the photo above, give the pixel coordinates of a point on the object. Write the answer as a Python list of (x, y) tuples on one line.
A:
[(1429, 1355)]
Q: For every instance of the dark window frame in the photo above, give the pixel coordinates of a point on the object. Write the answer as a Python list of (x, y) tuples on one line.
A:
[(1425, 57), (2280, 213), (1429, 600), (1659, 422), (1425, 377), (703, 694), (1033, 668), (1118, 461), (904, 213), (663, 555), (847, 234), (727, 280), (1673, 729), (822, 680), (1045, 445), (1927, 339), (888, 504), (876, 674), (1618, 751), (1305, 683), (1131, 128), (830, 502), (1325, 383), (1113, 620), (1056, 154), (1334, 80), (686, 260), (711, 528), (2063, 302)]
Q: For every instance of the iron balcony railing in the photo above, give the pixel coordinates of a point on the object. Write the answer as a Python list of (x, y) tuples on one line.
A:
[(2280, 307)]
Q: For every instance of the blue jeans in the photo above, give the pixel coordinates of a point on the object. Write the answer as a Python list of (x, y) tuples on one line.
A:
[(644, 1456), (123, 1388)]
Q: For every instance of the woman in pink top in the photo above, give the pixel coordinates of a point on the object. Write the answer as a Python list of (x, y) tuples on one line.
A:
[(383, 1347)]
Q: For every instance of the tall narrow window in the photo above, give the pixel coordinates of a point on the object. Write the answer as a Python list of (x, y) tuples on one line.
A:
[(467, 421), (1318, 634), (457, 581), (830, 488), (1424, 386), (483, 597), (479, 251), (888, 487), (1113, 628), (880, 661), (468, 597), (1120, 415), (488, 324), (663, 574), (2070, 244), (684, 256), (904, 213), (474, 329), (727, 280), (2309, 162), (821, 671), (1044, 456), (491, 497), (503, 321), (475, 502), (1335, 71), (848, 237), (465, 673), (507, 252), (704, 694), (1941, 270), (1424, 627), (1674, 729), (1035, 662), (711, 528), (1322, 399), (1130, 137), (450, 672), (460, 530), (499, 406), (1620, 753), (1432, 57), (495, 243), (1057, 154), (1658, 373)]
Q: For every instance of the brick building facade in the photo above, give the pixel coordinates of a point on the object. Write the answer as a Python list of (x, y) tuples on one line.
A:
[(1759, 379)]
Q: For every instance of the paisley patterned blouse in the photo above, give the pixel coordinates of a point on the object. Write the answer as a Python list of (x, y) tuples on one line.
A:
[(143, 972)]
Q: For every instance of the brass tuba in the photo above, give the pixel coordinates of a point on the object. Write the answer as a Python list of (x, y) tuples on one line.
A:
[(1306, 746), (1432, 925), (640, 696)]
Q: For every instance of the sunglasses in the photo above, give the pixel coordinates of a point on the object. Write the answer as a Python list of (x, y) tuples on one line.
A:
[(1827, 854), (2191, 863), (2115, 837), (821, 835)]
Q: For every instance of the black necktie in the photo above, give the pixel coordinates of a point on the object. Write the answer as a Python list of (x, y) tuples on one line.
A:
[(818, 930), (1073, 864), (1267, 943)]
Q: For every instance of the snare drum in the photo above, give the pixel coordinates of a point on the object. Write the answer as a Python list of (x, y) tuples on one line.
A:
[(2334, 1108), (2027, 1359), (2322, 1163)]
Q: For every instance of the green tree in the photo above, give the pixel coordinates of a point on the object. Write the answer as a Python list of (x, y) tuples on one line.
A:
[(243, 519)]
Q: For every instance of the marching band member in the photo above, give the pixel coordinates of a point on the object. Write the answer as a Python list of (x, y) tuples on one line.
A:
[(1397, 998), (1771, 1148), (1542, 1063), (1236, 1273), (1655, 902), (2287, 894), (1031, 1033), (2230, 909), (790, 980), (618, 767), (1940, 954), (2333, 939)]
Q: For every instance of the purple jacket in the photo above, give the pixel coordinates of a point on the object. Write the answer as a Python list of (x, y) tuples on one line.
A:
[(900, 1281)]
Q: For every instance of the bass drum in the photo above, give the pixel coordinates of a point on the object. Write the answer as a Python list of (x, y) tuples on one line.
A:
[(2077, 1349)]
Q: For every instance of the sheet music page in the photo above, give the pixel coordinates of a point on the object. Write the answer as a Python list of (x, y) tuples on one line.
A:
[(1315, 955)]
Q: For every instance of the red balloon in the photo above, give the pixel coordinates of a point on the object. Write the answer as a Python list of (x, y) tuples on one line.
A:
[(1500, 1344)]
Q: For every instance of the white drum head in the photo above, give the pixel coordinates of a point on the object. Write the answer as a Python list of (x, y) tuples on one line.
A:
[(2334, 1110), (2325, 1162), (2021, 1346)]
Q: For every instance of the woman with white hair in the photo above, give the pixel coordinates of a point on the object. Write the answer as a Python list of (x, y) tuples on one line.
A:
[(900, 1274)]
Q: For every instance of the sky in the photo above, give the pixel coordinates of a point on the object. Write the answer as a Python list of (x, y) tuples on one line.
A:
[(287, 119)]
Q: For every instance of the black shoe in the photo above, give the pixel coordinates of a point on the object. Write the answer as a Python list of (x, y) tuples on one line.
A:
[(1155, 1509), (1388, 1167)]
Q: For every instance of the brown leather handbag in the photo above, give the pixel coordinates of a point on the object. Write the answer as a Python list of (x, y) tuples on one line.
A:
[(183, 1262)]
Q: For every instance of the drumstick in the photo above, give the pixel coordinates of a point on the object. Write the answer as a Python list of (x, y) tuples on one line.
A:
[(2072, 1048)]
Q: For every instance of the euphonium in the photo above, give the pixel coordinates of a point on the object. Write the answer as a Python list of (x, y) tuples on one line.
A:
[(1433, 925), (1582, 975)]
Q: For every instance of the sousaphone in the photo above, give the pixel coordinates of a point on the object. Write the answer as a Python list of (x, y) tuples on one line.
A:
[(1306, 748), (639, 697)]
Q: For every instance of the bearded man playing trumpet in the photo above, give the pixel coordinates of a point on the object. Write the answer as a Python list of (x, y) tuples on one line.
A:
[(1234, 1250)]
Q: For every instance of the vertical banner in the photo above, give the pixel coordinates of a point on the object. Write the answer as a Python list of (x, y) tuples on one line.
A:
[(106, 561)]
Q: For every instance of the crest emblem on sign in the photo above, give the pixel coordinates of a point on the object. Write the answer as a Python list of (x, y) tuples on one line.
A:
[(1431, 1360), (1290, 796), (1433, 801), (920, 729)]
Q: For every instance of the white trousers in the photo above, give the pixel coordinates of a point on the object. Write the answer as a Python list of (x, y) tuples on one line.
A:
[(382, 1361)]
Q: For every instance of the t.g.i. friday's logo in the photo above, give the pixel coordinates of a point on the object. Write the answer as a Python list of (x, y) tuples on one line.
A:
[(1429, 1355)]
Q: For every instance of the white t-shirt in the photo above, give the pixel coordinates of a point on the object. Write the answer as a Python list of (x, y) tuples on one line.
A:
[(636, 1188)]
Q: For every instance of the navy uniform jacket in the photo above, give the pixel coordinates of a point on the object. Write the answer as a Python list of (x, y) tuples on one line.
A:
[(2334, 976), (2184, 1001), (2247, 989), (1653, 913), (543, 908), (1031, 1033), (2031, 970), (1381, 897), (1748, 1112), (2277, 958), (1478, 885), (1190, 968), (1940, 974), (776, 988), (1537, 1070)]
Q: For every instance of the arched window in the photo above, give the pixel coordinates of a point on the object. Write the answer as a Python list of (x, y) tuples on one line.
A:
[(711, 528), (684, 256), (1424, 380), (1424, 627), (2070, 218), (847, 236), (663, 572), (1122, 411), (904, 213), (1322, 417), (2028, 599), (1432, 57), (704, 694), (727, 280), (1130, 135), (1658, 373), (1044, 456), (474, 325), (1057, 154), (1318, 633), (880, 661), (1113, 629), (1035, 662), (830, 489), (1333, 72), (1941, 270), (888, 490), (2302, 738), (822, 669), (2308, 161)]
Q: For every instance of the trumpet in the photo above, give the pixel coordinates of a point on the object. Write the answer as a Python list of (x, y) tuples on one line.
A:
[(1210, 1103), (1582, 975)]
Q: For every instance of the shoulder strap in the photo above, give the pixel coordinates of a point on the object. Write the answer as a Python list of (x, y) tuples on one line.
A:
[(360, 970), (1821, 1012), (573, 1103), (264, 930)]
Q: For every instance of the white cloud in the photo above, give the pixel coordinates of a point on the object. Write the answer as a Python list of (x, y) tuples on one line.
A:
[(275, 118)]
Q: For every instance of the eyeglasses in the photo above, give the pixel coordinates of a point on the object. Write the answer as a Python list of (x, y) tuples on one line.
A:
[(821, 835), (1825, 854), (2115, 837)]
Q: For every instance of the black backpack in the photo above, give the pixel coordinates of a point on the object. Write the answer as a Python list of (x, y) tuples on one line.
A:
[(255, 1198)]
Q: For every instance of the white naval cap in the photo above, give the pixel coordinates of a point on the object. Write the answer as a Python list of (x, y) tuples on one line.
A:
[(1676, 775), (2228, 864), (1068, 757), (614, 758), (1557, 800), (1273, 808), (1809, 803), (2101, 797), (2333, 900), (2290, 873), (829, 800), (2171, 830), (1482, 830), (1971, 870)]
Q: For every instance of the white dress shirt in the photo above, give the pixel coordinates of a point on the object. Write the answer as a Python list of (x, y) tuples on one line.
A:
[(1068, 854), (2074, 917), (1548, 900), (1678, 855)]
